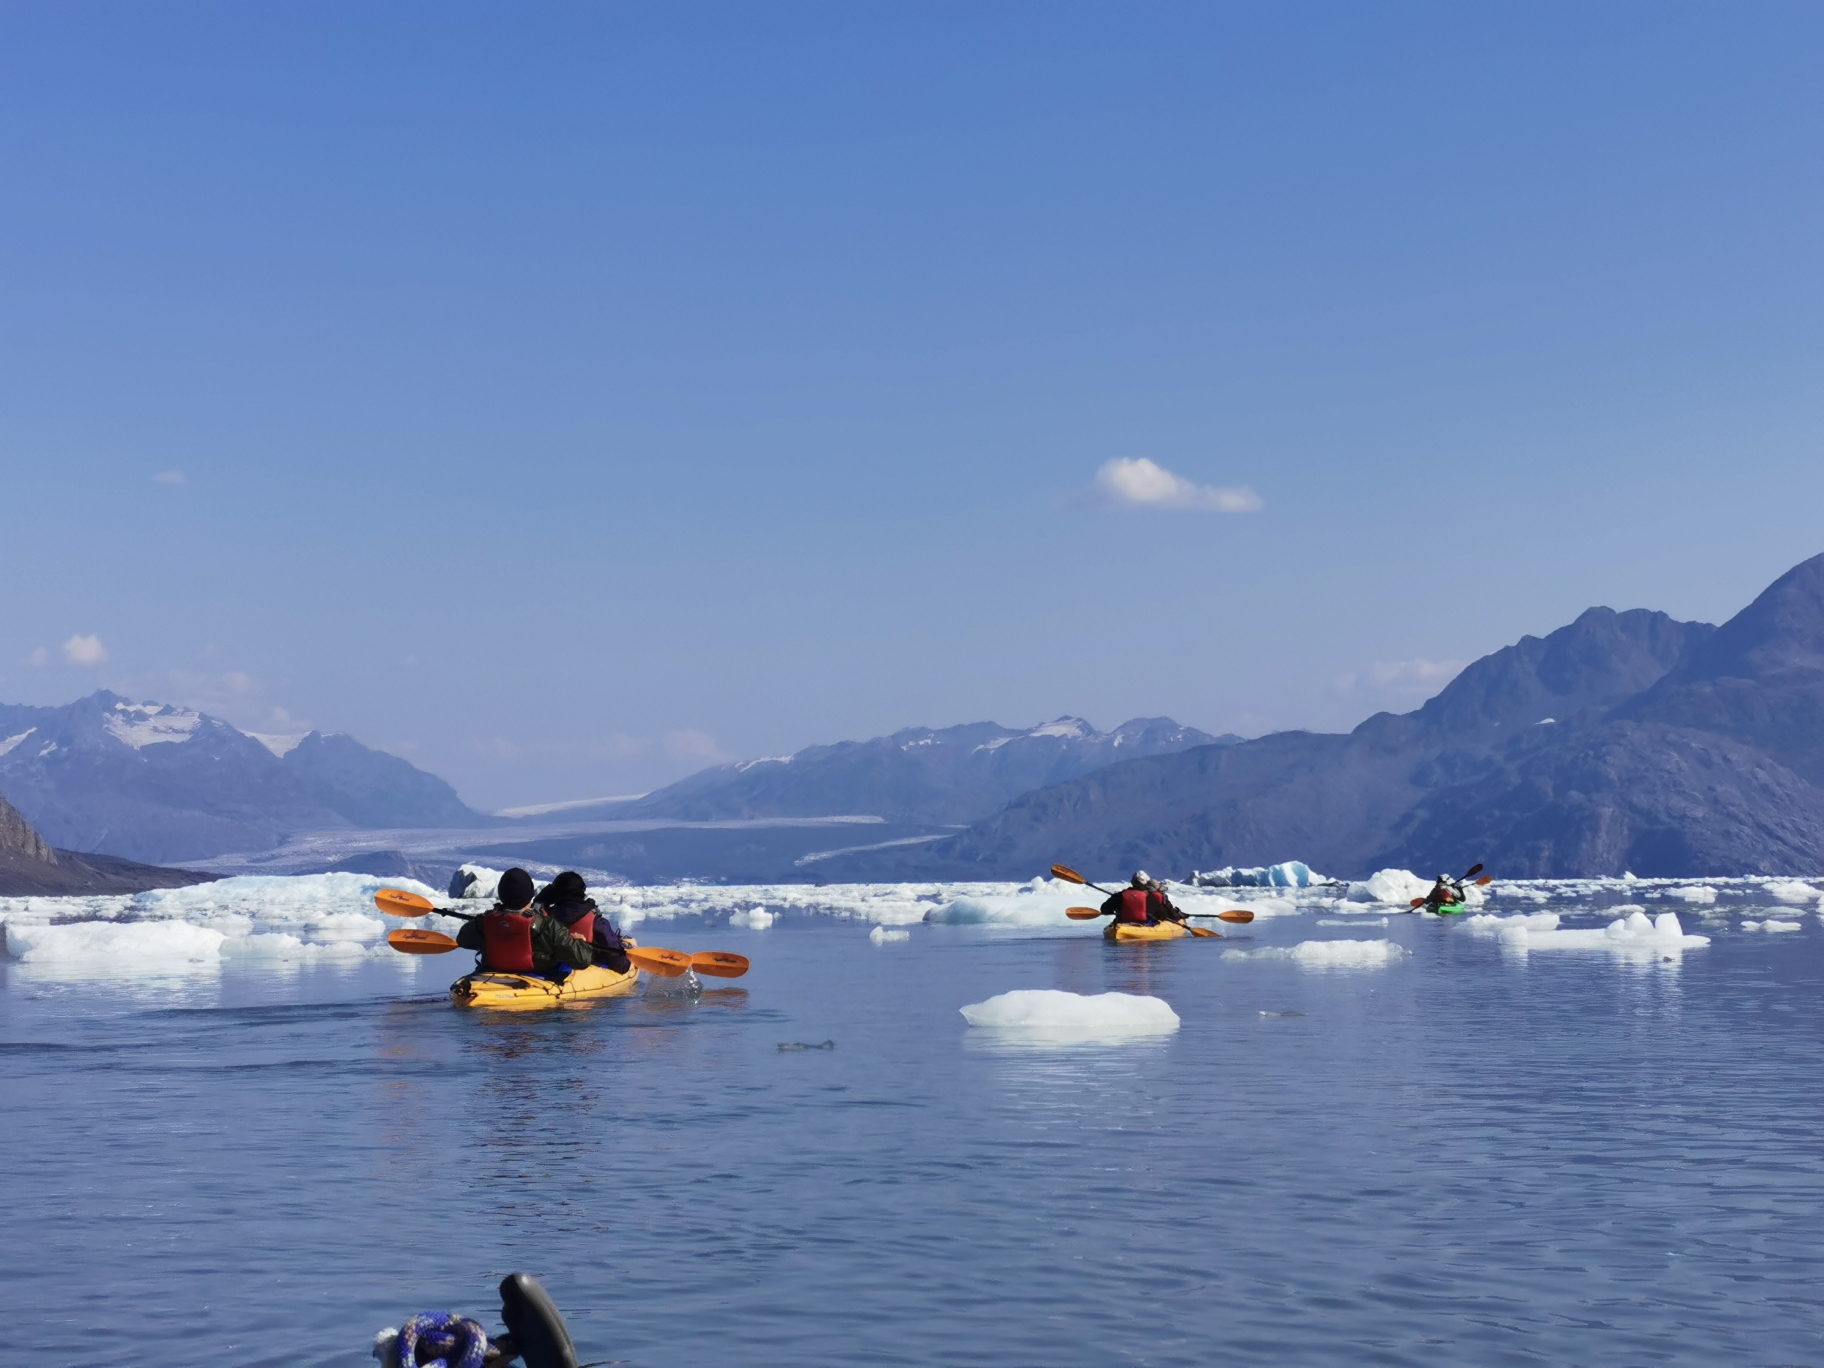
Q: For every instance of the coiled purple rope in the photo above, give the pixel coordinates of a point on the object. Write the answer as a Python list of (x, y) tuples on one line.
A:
[(431, 1339)]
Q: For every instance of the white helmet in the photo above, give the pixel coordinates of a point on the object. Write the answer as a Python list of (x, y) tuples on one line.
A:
[(1142, 879)]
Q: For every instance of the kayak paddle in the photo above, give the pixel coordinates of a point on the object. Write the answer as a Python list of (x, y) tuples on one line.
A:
[(1069, 875), (1240, 916), (414, 941), (666, 963), (402, 904)]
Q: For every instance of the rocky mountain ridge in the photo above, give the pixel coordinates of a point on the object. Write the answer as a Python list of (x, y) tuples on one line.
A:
[(158, 783), (1624, 741), (918, 775)]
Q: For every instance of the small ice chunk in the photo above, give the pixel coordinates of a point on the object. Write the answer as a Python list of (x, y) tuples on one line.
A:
[(1329, 954), (347, 926), (754, 919), (1771, 925), (1050, 1014), (1486, 924), (1692, 893), (882, 935), (1790, 890)]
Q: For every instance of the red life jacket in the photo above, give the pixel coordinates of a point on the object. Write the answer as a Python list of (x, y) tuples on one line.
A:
[(1133, 905), (509, 942), (583, 928)]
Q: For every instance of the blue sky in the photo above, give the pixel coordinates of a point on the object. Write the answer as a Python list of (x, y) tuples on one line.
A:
[(568, 396)]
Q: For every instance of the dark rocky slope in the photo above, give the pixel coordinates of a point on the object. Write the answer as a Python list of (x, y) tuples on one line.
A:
[(31, 868), (1623, 741)]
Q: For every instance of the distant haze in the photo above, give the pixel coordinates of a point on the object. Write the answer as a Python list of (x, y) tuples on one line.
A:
[(570, 399)]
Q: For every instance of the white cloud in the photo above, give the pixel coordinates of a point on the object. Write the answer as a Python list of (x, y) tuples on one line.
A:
[(170, 477), (39, 657), (1135, 482), (1402, 677), (84, 650)]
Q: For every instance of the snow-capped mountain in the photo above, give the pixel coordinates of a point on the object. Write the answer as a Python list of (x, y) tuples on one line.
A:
[(154, 782), (952, 775)]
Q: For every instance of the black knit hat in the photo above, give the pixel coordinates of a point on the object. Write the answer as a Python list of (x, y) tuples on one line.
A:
[(515, 889), (566, 887)]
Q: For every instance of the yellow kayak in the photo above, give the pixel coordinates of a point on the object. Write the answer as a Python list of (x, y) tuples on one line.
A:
[(529, 993), (1126, 933)]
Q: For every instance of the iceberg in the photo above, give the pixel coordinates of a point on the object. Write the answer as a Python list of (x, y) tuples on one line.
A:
[(115, 945), (1771, 925), (1289, 874), (1049, 1014), (882, 935)]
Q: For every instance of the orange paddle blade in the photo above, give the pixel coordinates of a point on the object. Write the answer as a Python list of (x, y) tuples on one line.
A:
[(416, 942), (1240, 916), (1082, 913), (1418, 902), (402, 904), (719, 963), (664, 963), (1485, 880), (1066, 873), (1199, 931)]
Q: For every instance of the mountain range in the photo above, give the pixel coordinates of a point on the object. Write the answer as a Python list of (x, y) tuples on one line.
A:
[(919, 775), (1622, 742), (157, 783)]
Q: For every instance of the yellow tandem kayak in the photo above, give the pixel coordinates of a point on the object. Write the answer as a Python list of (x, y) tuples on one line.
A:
[(504, 992), (1127, 933)]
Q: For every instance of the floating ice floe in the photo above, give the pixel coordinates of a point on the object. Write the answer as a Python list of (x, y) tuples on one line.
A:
[(1329, 954), (1790, 890), (1691, 893), (1289, 874), (1048, 1014), (754, 919), (115, 945), (882, 935), (1771, 925), (1634, 932)]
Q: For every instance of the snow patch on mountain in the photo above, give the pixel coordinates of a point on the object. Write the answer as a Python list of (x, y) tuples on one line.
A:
[(151, 724), (280, 746), (10, 742)]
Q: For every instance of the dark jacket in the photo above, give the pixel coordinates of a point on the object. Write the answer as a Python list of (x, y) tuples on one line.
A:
[(552, 943), (605, 942)]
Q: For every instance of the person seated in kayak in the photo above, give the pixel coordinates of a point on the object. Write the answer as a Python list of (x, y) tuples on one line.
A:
[(1445, 892), (515, 937), (1142, 902), (564, 898)]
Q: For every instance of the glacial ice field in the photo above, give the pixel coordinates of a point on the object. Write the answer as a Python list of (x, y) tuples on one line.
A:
[(936, 1123)]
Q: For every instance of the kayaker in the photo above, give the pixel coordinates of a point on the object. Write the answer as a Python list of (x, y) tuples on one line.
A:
[(1142, 902), (1445, 892), (514, 937), (565, 898)]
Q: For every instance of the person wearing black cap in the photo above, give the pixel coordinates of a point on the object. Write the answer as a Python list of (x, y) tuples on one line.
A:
[(565, 898), (515, 937)]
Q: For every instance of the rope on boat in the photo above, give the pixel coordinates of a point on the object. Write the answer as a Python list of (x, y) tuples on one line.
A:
[(439, 1339)]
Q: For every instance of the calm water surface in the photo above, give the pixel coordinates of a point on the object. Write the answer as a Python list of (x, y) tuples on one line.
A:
[(1464, 1158)]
